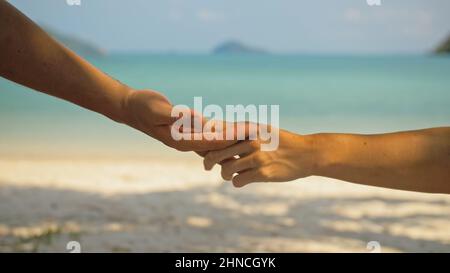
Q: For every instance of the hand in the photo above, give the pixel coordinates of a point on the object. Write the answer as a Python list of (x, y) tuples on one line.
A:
[(150, 112), (293, 159)]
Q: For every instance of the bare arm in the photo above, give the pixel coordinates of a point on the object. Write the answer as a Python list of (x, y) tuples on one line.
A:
[(414, 160), (30, 57)]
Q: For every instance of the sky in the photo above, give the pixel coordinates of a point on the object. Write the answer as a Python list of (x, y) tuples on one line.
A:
[(279, 26)]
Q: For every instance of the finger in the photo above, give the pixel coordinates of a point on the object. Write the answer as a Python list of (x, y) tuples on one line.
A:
[(247, 177), (231, 130), (203, 145), (214, 157), (189, 142), (162, 114), (195, 120), (238, 130), (192, 140), (225, 162), (217, 136), (202, 154), (195, 139), (232, 166)]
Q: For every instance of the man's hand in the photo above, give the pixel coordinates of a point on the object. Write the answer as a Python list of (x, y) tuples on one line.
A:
[(32, 58), (150, 112)]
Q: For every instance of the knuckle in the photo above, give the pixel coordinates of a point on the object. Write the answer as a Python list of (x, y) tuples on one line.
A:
[(265, 174), (258, 160), (254, 145)]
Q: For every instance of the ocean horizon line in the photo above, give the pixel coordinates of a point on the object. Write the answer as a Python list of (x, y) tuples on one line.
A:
[(274, 54)]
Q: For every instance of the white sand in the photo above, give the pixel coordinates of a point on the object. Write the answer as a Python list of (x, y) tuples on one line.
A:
[(167, 206)]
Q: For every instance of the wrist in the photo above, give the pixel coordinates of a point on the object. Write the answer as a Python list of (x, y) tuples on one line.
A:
[(332, 153), (122, 114)]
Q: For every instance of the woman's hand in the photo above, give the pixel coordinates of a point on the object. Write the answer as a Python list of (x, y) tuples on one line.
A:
[(410, 160), (245, 163)]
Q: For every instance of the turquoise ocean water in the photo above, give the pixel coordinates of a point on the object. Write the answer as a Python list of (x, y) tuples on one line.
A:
[(315, 93)]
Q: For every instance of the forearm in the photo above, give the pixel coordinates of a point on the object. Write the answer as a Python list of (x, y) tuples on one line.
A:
[(415, 160), (32, 58)]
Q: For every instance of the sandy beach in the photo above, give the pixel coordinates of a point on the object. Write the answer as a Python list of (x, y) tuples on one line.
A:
[(170, 205)]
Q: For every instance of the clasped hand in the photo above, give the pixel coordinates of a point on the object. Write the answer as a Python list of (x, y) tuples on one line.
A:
[(242, 162)]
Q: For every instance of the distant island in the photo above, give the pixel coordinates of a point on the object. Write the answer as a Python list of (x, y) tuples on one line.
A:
[(235, 47), (444, 47), (76, 44)]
